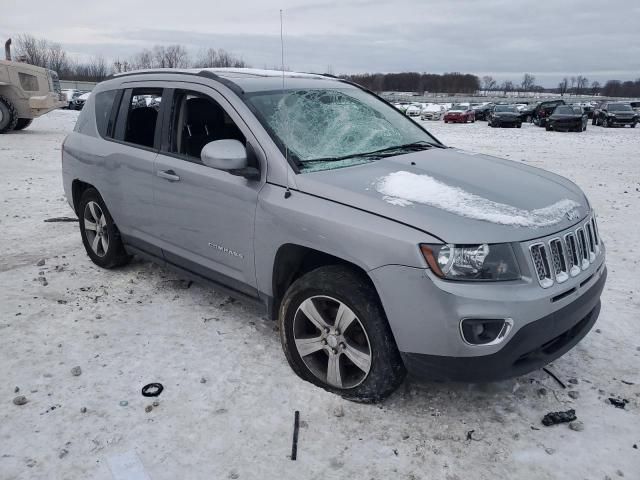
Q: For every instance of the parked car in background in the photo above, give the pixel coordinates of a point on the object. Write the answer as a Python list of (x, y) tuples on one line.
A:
[(460, 113), (79, 101), (482, 110), (449, 265), (70, 94), (616, 114), (568, 118), (543, 109), (635, 106), (432, 112), (504, 116), (413, 111), (526, 112)]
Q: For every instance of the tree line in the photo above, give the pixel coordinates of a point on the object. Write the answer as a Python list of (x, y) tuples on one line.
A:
[(43, 53), (417, 82)]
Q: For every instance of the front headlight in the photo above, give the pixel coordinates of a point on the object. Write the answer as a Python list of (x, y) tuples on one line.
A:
[(472, 262)]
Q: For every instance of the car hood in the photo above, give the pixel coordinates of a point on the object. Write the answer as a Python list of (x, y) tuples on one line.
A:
[(506, 114), (456, 196)]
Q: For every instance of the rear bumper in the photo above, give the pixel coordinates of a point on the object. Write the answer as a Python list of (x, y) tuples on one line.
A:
[(533, 346), (40, 105)]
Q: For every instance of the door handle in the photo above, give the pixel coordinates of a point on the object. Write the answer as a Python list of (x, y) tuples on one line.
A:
[(168, 175)]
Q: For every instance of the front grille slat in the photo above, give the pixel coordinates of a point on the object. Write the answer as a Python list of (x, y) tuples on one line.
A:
[(542, 265), (560, 258)]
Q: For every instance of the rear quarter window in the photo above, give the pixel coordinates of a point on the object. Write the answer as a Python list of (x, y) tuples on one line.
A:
[(103, 108)]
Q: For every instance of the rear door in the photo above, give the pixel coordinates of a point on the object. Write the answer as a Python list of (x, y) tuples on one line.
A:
[(135, 144), (204, 217)]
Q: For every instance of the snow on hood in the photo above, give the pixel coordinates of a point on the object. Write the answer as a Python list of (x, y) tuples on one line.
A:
[(405, 188)]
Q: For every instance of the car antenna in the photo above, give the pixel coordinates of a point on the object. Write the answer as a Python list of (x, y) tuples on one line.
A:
[(287, 193)]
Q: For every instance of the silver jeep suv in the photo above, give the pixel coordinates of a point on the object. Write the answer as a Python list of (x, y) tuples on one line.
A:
[(378, 249)]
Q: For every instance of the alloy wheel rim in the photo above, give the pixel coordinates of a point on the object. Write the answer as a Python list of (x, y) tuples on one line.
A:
[(332, 342), (95, 228)]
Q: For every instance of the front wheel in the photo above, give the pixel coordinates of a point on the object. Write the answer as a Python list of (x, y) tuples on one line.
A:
[(633, 125), (335, 335), (99, 233), (519, 125)]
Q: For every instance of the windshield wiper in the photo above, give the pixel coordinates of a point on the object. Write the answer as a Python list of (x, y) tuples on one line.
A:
[(412, 147)]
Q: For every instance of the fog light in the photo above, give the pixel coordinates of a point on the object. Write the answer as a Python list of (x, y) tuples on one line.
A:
[(485, 331)]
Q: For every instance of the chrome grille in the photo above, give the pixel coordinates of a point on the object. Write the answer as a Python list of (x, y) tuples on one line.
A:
[(541, 262), (560, 258), (584, 252)]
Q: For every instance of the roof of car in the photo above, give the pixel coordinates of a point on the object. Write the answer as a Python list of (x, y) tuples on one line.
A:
[(248, 79)]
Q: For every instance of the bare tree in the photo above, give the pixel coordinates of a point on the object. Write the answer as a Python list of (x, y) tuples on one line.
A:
[(489, 83), (573, 84), (563, 86), (57, 57), (528, 82), (31, 50), (595, 87), (507, 86), (581, 84)]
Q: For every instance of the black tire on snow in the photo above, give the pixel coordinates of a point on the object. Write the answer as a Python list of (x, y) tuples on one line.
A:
[(115, 255), (8, 115), (346, 285), (23, 123)]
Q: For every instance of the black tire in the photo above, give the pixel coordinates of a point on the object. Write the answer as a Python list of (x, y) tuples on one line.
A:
[(341, 283), (23, 123), (547, 128), (115, 254), (519, 125), (633, 125), (8, 115)]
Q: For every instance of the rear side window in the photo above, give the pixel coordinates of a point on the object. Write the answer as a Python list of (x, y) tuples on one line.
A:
[(28, 82), (104, 107), (138, 117)]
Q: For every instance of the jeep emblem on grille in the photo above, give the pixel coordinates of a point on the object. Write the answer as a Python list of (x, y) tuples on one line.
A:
[(573, 215)]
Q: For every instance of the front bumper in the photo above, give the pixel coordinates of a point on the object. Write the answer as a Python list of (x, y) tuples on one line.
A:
[(622, 121), (532, 347)]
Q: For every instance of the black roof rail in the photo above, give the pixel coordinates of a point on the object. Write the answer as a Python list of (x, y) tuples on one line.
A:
[(202, 73)]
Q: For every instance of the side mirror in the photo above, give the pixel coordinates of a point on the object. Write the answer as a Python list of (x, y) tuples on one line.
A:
[(224, 155), (230, 156)]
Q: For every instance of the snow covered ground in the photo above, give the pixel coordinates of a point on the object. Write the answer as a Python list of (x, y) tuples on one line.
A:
[(141, 324)]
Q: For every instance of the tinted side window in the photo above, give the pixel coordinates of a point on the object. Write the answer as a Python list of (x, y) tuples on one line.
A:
[(104, 106), (197, 120), (141, 116), (28, 82)]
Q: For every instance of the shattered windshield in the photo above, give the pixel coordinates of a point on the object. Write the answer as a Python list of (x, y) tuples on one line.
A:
[(322, 129)]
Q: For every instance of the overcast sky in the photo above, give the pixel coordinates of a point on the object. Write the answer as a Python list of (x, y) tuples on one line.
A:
[(504, 38)]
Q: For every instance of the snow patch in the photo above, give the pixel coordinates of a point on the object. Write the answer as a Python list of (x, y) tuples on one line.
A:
[(405, 188)]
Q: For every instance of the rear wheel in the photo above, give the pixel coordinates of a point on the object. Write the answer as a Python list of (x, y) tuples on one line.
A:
[(23, 123), (99, 233), (633, 125), (8, 115), (519, 125), (335, 335)]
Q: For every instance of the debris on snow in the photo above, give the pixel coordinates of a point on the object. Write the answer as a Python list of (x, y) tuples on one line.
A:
[(40, 262), (76, 371), (152, 390), (618, 402), (20, 400), (553, 418), (576, 425)]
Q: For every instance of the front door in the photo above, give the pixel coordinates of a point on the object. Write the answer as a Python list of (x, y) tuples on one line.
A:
[(204, 217)]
